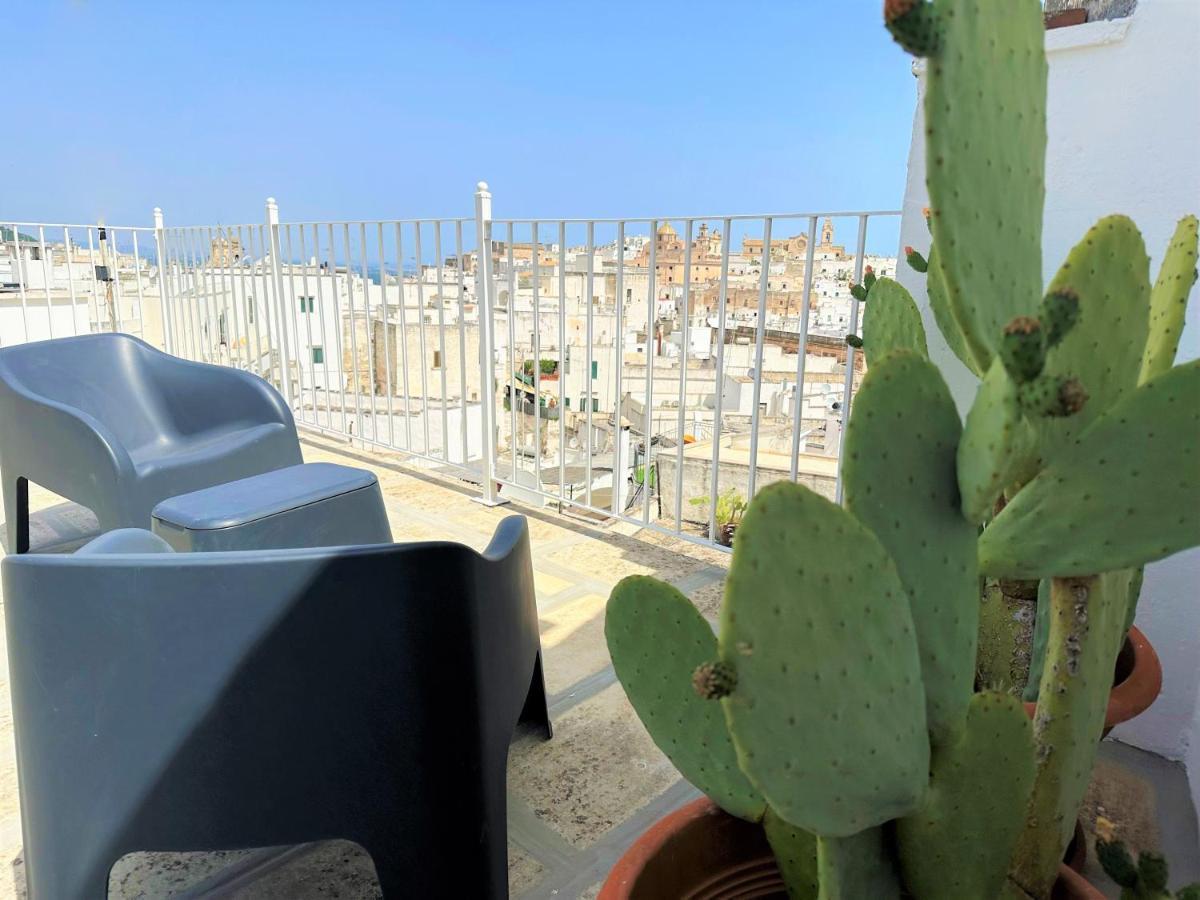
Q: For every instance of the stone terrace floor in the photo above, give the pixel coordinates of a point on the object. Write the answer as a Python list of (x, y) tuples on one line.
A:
[(576, 802)]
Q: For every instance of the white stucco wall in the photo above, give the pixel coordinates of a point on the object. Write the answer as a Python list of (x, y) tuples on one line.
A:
[(1124, 136)]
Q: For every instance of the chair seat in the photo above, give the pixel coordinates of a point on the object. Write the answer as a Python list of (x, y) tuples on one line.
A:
[(216, 443)]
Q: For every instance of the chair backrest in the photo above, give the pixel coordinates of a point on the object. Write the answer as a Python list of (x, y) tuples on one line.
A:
[(107, 376), (242, 699)]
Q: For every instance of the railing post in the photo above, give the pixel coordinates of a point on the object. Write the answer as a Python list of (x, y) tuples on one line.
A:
[(164, 302), (487, 375), (285, 379)]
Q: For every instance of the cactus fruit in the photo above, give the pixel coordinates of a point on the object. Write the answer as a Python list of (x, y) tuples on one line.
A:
[(853, 340), (989, 234), (959, 842), (891, 322), (869, 279), (1124, 494), (657, 638), (1168, 299), (858, 292), (1052, 397), (829, 713), (913, 24), (916, 261), (998, 447), (714, 680), (917, 518), (1023, 348), (1059, 313)]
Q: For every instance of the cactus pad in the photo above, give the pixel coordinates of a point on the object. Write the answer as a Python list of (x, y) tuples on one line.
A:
[(1168, 300), (947, 324), (858, 866), (1110, 273), (657, 638), (998, 446), (1124, 494), (891, 322), (796, 853), (829, 713), (899, 476), (985, 121), (959, 843)]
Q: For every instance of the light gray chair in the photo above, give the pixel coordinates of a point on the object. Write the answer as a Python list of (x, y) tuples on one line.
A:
[(203, 701), (107, 421)]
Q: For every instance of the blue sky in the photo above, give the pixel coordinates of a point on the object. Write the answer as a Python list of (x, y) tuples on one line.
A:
[(361, 110)]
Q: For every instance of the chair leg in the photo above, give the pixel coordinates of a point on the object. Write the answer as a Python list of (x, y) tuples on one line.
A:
[(536, 710), (16, 514)]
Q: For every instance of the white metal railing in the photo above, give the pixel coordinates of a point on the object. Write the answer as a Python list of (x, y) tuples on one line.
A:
[(631, 368)]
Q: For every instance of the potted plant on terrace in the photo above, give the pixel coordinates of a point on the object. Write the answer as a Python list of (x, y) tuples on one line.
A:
[(730, 507), (836, 718)]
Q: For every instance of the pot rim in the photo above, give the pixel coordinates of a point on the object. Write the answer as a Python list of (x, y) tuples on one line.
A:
[(623, 876)]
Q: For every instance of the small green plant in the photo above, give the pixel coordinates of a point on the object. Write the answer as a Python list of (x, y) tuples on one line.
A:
[(545, 367), (1142, 879), (838, 705), (730, 506)]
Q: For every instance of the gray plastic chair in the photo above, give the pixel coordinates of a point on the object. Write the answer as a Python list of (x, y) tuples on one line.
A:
[(203, 701), (108, 421)]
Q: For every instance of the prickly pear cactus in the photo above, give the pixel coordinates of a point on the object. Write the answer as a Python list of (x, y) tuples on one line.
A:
[(943, 314), (860, 865), (1168, 300), (657, 640), (796, 852), (829, 712), (905, 421)]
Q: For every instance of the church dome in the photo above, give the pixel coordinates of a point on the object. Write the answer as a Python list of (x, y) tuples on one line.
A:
[(665, 230)]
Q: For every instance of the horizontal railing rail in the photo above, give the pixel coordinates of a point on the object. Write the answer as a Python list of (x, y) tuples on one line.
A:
[(657, 369)]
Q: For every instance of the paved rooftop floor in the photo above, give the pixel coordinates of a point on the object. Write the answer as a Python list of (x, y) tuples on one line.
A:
[(576, 802)]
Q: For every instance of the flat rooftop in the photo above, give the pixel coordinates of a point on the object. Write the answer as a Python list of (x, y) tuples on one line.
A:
[(575, 802)]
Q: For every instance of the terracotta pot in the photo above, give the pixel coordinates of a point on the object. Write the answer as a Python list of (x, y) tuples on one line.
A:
[(699, 852), (1066, 18), (1137, 681)]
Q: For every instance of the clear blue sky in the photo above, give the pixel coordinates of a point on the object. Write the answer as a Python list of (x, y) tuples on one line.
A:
[(346, 109)]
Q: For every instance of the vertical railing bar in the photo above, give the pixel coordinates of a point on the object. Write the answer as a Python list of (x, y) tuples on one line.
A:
[(218, 299), (358, 417), (385, 321), (268, 293), (462, 340), (370, 338), (683, 336), (319, 285), (759, 334), (848, 387), (295, 315), (20, 261), (114, 278), (802, 346), (194, 307), (212, 346), (421, 323), (562, 362), (165, 302), (307, 327), (441, 289), (46, 280), (331, 268), (719, 392), (512, 354), (249, 313), (404, 337), (95, 298), (202, 295), (587, 375), (651, 318), (137, 276), (618, 478), (535, 239), (71, 276)]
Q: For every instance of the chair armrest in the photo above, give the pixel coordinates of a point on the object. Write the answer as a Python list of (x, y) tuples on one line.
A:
[(125, 540)]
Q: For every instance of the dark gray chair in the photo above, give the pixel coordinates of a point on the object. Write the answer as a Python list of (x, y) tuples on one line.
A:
[(108, 421), (204, 701)]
